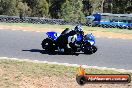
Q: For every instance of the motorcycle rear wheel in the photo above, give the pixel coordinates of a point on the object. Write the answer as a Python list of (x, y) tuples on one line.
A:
[(47, 44)]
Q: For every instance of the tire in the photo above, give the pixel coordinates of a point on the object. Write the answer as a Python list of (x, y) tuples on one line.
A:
[(129, 28), (81, 80), (47, 44), (94, 48), (103, 26), (90, 50)]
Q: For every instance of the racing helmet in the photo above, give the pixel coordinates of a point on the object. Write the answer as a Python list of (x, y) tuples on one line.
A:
[(79, 29)]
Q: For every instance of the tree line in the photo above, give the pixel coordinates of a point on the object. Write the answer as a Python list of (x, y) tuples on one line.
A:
[(70, 10)]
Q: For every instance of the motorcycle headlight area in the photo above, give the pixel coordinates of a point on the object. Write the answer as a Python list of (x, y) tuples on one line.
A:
[(89, 37)]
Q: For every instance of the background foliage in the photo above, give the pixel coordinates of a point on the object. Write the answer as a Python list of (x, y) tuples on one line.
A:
[(70, 10)]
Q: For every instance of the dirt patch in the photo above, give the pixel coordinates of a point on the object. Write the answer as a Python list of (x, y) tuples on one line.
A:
[(96, 33), (1, 72), (16, 75), (63, 82)]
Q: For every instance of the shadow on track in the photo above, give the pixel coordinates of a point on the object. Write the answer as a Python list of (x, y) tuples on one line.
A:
[(49, 53), (37, 50)]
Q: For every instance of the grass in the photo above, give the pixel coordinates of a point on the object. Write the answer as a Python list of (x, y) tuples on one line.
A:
[(12, 71), (116, 30), (37, 25), (30, 68)]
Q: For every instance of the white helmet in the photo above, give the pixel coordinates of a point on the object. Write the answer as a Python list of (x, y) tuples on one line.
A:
[(78, 28)]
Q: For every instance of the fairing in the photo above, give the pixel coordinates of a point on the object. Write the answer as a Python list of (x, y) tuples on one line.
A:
[(53, 35), (89, 38)]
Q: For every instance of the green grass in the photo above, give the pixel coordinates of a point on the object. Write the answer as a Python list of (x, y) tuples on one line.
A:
[(116, 30), (37, 25)]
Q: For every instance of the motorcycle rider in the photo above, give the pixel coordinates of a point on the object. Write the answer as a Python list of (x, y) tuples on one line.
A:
[(68, 38)]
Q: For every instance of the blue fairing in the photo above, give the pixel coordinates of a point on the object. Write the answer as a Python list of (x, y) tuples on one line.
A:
[(90, 38), (52, 35), (79, 37)]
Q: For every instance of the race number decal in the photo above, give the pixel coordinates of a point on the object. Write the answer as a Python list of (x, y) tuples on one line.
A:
[(72, 39)]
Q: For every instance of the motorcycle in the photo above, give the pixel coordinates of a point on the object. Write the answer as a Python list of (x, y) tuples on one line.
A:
[(85, 43)]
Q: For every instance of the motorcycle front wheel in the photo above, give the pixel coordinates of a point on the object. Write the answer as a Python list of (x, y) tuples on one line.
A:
[(90, 50)]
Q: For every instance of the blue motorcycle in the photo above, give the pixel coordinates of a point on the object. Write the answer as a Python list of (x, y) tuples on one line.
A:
[(85, 43)]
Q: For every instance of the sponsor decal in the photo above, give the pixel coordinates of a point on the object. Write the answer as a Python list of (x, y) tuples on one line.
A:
[(82, 77)]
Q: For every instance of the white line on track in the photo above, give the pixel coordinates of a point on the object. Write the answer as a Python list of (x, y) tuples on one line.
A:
[(24, 30), (124, 38), (37, 31), (110, 37), (67, 64), (97, 36), (14, 29)]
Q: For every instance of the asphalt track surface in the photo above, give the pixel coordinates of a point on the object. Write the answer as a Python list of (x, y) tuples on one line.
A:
[(112, 53)]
